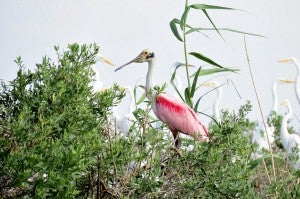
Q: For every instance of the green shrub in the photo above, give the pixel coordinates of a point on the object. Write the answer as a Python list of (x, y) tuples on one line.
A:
[(51, 128)]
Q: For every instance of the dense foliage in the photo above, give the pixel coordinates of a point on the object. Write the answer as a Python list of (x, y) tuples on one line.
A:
[(59, 138), (52, 124)]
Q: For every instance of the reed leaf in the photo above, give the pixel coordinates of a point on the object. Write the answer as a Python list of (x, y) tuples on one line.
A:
[(184, 17), (225, 29), (206, 6), (211, 71), (205, 59), (188, 98), (193, 89), (174, 29)]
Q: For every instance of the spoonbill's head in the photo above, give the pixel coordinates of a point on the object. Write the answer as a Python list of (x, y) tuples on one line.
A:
[(145, 56)]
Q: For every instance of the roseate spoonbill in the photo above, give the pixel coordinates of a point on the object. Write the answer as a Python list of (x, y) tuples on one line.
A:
[(125, 121), (98, 84), (297, 64), (178, 116), (217, 86), (260, 135), (290, 142)]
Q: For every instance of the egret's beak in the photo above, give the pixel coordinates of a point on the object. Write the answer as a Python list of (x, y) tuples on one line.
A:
[(287, 81), (210, 84), (285, 60), (101, 58), (284, 103)]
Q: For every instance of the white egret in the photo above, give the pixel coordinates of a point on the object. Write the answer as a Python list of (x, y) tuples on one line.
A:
[(98, 84), (274, 91), (259, 135), (297, 64), (124, 122), (290, 142)]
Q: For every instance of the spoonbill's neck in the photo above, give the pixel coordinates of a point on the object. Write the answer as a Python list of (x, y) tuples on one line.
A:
[(149, 80)]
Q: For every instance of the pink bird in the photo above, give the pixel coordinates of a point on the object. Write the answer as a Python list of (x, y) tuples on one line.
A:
[(177, 115)]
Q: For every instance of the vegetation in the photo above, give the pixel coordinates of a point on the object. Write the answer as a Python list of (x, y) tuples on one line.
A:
[(58, 138)]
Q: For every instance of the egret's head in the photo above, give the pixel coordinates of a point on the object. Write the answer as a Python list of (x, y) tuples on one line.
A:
[(103, 59), (286, 102), (213, 84), (285, 81), (288, 60), (145, 56)]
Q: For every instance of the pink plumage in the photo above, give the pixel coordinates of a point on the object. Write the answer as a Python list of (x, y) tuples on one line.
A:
[(179, 117)]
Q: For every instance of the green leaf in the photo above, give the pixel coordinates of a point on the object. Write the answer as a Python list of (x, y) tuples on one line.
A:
[(225, 29), (205, 59), (174, 29), (212, 23), (193, 89), (142, 98), (206, 6), (184, 17), (187, 96), (210, 71)]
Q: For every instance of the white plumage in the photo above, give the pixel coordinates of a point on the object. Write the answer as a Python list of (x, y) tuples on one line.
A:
[(290, 142)]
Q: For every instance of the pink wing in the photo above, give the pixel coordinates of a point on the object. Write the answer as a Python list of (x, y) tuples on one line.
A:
[(178, 116)]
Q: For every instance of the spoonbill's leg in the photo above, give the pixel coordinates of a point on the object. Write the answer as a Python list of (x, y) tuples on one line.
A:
[(176, 138)]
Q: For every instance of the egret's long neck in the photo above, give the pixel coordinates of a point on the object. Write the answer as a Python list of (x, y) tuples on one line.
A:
[(131, 106), (217, 104), (149, 79), (176, 78), (297, 85), (275, 97), (284, 128)]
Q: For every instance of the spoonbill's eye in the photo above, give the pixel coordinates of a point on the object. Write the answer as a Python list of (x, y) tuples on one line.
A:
[(145, 53)]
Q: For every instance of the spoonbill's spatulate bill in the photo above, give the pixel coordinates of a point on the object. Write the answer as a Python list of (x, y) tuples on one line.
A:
[(178, 116)]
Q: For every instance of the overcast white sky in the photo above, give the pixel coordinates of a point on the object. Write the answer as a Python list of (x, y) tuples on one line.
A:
[(123, 28)]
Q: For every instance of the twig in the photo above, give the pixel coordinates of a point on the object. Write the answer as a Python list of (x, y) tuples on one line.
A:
[(262, 117)]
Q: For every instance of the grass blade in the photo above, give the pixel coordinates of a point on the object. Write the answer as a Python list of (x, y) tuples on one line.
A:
[(184, 17), (193, 89), (225, 29), (212, 23), (174, 29), (206, 6), (210, 71), (188, 97), (205, 59)]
